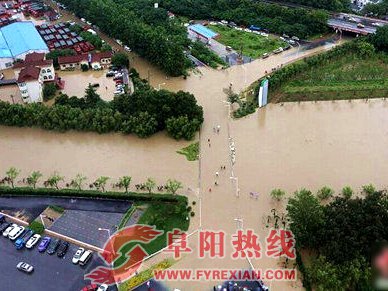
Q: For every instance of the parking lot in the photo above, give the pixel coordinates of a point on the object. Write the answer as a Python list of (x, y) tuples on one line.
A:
[(50, 272), (84, 225)]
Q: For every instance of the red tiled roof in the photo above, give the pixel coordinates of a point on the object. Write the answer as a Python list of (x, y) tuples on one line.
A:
[(72, 59), (33, 57), (103, 55), (29, 73)]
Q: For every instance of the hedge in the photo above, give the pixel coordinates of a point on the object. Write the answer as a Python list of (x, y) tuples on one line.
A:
[(130, 196)]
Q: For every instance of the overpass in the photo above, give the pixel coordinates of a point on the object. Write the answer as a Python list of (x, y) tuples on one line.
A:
[(343, 25)]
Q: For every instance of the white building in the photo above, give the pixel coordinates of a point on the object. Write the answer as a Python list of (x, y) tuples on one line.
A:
[(31, 74)]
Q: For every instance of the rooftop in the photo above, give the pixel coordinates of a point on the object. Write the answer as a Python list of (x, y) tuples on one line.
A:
[(28, 73), (202, 30), (18, 38)]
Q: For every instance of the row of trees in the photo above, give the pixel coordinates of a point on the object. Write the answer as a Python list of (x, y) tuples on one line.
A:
[(277, 19), (377, 9), (343, 235), (162, 45), (78, 182), (333, 5), (144, 113)]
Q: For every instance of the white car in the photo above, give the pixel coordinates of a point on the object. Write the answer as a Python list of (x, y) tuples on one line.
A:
[(16, 233), (24, 267), (9, 229), (33, 241), (103, 287), (127, 48), (77, 255)]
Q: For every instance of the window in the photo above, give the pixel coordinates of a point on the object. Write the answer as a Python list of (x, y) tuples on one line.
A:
[(43, 71), (71, 65), (48, 71), (7, 65), (45, 77)]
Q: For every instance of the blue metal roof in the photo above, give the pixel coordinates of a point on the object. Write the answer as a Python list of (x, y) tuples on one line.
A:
[(202, 30), (18, 38)]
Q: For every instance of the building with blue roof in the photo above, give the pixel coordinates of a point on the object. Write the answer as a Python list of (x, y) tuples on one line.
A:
[(17, 40), (202, 32)]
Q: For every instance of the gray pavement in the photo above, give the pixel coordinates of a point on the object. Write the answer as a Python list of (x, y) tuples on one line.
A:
[(51, 272), (84, 225)]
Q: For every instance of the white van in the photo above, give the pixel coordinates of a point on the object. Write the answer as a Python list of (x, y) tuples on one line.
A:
[(86, 256)]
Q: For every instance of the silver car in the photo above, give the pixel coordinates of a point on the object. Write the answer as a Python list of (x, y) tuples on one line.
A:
[(24, 267)]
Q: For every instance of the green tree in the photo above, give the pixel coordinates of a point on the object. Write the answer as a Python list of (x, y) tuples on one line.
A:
[(54, 179), (277, 194), (120, 60), (380, 38), (11, 175), (150, 185), (49, 91), (36, 227), (33, 178), (173, 186), (124, 182), (91, 96), (84, 67), (100, 183), (307, 218), (368, 189), (325, 193), (365, 49), (182, 127), (78, 181), (347, 192)]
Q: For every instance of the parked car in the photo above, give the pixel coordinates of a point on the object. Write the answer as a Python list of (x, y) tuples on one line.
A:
[(91, 287), (278, 51), (32, 241), (295, 38), (126, 48), (4, 226), (21, 241), (103, 287), (54, 244), (110, 74), (77, 255), (265, 55), (360, 25), (2, 217), (9, 229), (228, 48), (24, 267), (86, 256), (44, 244), (62, 249), (16, 233)]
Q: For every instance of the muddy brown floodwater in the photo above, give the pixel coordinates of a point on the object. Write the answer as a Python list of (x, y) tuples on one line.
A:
[(94, 155), (281, 146)]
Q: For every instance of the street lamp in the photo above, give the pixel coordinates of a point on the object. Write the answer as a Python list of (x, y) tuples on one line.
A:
[(161, 84), (237, 188)]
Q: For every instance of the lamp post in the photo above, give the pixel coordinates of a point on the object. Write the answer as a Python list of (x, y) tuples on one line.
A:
[(161, 84), (237, 188)]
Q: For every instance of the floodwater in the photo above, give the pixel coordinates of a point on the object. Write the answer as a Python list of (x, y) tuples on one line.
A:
[(77, 81), (94, 155), (281, 146)]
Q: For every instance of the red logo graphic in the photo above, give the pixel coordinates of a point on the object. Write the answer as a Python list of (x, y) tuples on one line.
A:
[(114, 252), (281, 243)]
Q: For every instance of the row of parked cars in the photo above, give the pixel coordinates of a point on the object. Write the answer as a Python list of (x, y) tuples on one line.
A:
[(118, 78), (25, 237)]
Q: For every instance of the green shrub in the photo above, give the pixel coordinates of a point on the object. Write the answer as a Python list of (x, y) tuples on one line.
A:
[(277, 194), (49, 91), (325, 193), (37, 227), (84, 67), (368, 189), (57, 208), (347, 192)]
